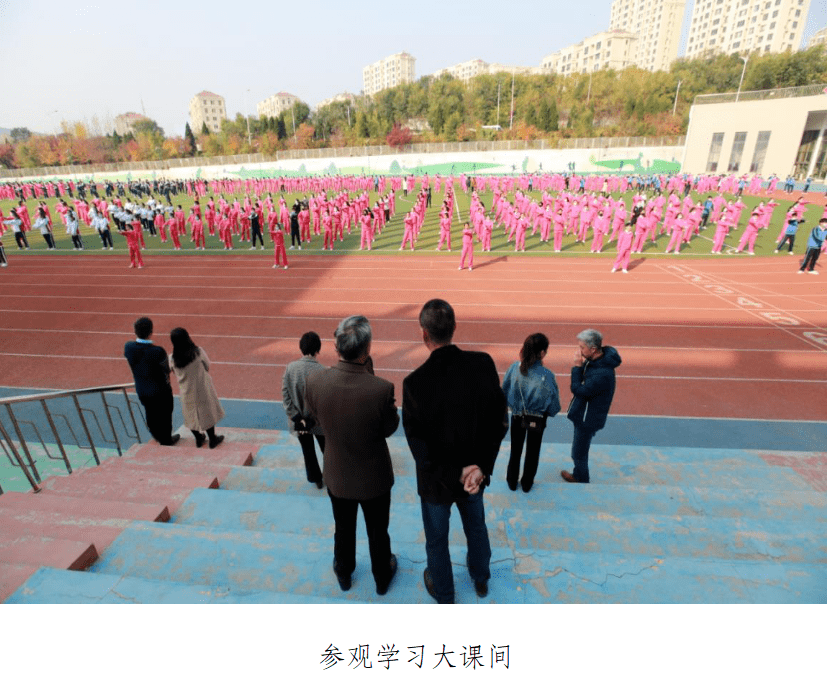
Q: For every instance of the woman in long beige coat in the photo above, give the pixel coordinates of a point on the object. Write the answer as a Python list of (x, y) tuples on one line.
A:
[(199, 403)]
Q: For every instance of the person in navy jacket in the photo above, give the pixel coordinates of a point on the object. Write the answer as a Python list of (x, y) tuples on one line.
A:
[(592, 383)]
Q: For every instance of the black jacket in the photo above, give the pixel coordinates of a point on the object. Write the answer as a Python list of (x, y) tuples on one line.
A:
[(454, 415), (593, 386), (150, 369)]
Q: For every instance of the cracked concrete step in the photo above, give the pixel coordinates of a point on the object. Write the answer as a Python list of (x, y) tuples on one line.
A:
[(553, 493), (631, 465), (12, 575), (244, 562), (511, 525), (562, 577), (48, 551), (233, 453), (53, 586), (76, 506)]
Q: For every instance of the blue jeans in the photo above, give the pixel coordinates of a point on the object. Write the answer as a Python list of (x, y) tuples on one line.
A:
[(436, 529), (579, 452)]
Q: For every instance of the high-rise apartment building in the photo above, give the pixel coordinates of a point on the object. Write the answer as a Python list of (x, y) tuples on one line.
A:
[(389, 72), (610, 49), (746, 26), (275, 105), (125, 123), (818, 38), (658, 25), (207, 108)]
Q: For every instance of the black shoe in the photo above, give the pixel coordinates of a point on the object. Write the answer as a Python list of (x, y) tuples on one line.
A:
[(430, 586), (215, 441), (342, 579), (200, 438), (512, 486), (481, 589), (382, 588), (526, 488), (319, 484), (173, 439)]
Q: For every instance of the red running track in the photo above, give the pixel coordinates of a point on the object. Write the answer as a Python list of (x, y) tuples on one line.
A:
[(731, 338)]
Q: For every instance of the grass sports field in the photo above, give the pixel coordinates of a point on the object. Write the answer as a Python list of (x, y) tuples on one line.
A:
[(388, 242)]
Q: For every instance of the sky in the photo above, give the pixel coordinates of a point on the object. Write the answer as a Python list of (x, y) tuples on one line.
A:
[(75, 60)]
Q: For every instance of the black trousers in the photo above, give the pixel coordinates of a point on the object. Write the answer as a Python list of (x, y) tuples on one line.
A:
[(309, 454), (787, 238), (20, 238), (77, 242), (812, 254), (376, 515), (159, 412), (295, 238), (50, 240), (533, 438), (106, 236), (256, 232)]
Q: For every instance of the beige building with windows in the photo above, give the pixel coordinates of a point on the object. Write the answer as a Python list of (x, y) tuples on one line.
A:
[(207, 108), (746, 26), (658, 26), (389, 72), (818, 38), (124, 123), (610, 49), (275, 105), (780, 131)]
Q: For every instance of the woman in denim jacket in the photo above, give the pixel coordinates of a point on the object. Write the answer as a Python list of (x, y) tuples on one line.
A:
[(532, 395)]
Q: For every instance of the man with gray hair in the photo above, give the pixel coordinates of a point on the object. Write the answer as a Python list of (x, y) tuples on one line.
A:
[(356, 411), (592, 383)]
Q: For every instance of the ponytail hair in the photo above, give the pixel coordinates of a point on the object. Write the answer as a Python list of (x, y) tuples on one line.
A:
[(531, 351)]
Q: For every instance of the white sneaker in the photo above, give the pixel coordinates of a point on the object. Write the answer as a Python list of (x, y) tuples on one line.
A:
[(291, 249), (791, 252), (286, 267), (252, 248), (624, 271), (613, 270), (299, 247), (751, 252), (275, 266), (813, 272), (777, 250), (800, 271)]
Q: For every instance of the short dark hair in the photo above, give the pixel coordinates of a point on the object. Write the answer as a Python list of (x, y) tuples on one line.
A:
[(437, 318), (143, 328), (310, 343)]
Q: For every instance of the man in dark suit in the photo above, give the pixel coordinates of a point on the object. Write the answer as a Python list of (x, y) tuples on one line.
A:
[(454, 415), (357, 413), (151, 371)]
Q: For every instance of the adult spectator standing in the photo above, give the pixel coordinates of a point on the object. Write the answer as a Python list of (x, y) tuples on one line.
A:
[(532, 395), (454, 415), (293, 401), (817, 237), (592, 383), (357, 413), (151, 371), (199, 403)]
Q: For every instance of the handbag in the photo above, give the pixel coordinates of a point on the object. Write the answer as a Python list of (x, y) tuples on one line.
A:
[(534, 422)]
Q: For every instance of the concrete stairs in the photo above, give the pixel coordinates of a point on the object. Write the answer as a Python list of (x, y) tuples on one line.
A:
[(656, 525)]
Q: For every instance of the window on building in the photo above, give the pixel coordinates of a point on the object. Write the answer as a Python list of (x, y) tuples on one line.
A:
[(760, 152), (737, 151), (774, 14), (714, 151)]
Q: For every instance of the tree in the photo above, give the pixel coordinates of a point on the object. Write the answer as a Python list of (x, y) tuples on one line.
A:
[(399, 136), (7, 156), (147, 127), (20, 134), (281, 131), (189, 139), (204, 130)]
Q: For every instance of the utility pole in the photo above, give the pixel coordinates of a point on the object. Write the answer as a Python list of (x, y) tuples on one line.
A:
[(512, 102), (498, 114), (247, 117)]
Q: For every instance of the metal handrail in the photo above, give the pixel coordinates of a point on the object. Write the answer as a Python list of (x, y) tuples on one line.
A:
[(22, 457)]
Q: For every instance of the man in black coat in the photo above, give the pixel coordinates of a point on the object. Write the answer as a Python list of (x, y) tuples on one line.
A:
[(151, 371), (454, 416)]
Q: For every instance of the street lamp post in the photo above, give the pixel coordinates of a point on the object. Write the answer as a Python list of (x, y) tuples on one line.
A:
[(742, 75)]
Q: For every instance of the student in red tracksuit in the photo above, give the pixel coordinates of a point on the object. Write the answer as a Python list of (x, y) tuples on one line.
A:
[(133, 242)]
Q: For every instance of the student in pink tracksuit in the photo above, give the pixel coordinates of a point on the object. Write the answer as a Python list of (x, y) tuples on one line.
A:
[(280, 256), (409, 224), (723, 227), (624, 246), (468, 247), (558, 228), (365, 230), (445, 231), (677, 233), (750, 234)]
